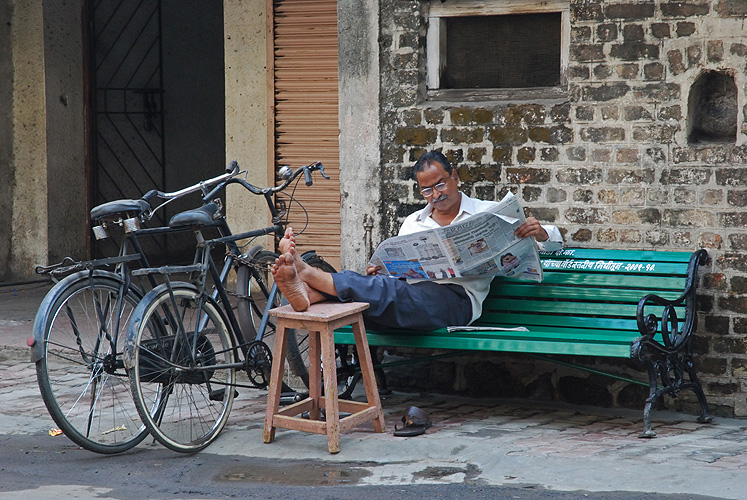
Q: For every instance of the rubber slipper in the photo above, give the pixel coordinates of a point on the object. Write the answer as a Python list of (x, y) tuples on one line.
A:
[(414, 423)]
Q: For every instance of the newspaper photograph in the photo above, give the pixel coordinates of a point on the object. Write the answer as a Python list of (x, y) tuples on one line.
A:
[(484, 244)]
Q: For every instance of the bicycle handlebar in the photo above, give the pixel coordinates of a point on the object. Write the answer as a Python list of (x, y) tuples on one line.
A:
[(306, 170)]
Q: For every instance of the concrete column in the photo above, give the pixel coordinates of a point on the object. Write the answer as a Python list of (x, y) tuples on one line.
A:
[(360, 158), (247, 110), (29, 226)]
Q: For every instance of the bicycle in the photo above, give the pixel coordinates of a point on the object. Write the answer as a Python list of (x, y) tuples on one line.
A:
[(75, 343), (184, 346)]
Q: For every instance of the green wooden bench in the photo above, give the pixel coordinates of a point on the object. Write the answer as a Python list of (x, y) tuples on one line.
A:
[(632, 304)]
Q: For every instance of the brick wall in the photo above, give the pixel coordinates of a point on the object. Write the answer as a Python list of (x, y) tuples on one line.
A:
[(610, 164)]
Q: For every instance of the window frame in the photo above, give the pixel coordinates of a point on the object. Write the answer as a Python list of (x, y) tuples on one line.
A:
[(436, 47)]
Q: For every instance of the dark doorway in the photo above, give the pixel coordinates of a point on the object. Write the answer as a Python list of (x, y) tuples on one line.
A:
[(156, 105)]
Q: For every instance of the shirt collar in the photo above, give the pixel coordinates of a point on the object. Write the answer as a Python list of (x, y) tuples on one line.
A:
[(466, 206)]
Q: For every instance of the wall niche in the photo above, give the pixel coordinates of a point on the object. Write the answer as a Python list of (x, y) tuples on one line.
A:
[(712, 109)]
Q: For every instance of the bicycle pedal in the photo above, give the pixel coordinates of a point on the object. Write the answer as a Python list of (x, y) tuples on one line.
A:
[(220, 394)]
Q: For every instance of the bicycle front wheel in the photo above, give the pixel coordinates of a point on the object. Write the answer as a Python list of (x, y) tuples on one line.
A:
[(81, 378), (178, 346)]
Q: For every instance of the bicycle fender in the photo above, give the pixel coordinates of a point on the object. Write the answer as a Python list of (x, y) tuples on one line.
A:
[(36, 341)]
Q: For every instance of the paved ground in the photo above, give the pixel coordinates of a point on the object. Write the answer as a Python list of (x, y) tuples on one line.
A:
[(479, 441)]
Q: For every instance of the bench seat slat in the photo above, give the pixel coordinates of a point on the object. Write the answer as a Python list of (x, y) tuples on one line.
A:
[(628, 255), (541, 342), (643, 282), (578, 293), (529, 320), (572, 308)]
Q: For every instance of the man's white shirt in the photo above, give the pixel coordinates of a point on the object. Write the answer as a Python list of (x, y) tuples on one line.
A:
[(477, 287)]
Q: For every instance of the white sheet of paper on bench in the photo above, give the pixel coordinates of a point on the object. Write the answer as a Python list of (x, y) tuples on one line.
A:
[(452, 329)]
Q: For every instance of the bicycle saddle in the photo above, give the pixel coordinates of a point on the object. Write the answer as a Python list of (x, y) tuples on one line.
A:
[(112, 208), (203, 216)]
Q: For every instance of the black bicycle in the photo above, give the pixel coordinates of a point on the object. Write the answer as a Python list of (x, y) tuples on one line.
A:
[(184, 345), (76, 337)]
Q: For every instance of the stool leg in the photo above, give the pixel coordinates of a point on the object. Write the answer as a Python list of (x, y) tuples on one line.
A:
[(315, 375), (329, 367), (276, 382), (367, 372)]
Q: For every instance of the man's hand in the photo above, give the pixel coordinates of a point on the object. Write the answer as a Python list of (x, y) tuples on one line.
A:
[(372, 270), (533, 228)]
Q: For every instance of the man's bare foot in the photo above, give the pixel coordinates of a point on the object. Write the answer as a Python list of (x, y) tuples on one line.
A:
[(287, 245), (285, 275)]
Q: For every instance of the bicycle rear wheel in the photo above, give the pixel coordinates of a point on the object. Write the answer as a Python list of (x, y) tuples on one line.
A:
[(81, 379), (175, 349)]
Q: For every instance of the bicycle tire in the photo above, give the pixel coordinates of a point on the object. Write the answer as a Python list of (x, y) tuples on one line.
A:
[(84, 386), (184, 409)]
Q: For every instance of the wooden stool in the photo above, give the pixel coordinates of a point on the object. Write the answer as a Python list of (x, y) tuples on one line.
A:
[(321, 320)]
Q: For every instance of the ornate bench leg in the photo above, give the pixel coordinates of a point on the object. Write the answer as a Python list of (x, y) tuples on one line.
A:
[(705, 417), (653, 395)]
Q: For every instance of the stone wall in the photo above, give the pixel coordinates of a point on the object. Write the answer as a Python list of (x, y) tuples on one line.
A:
[(610, 164)]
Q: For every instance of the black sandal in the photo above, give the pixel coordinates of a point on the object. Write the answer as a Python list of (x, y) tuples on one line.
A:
[(415, 421)]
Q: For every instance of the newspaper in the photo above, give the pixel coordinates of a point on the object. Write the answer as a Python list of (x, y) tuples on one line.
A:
[(484, 244)]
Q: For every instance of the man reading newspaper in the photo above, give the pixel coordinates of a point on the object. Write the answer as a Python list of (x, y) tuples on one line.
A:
[(404, 303)]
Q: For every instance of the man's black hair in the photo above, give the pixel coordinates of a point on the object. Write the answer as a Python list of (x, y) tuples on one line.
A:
[(427, 159)]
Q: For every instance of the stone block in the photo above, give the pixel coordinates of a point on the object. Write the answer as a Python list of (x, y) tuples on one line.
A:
[(627, 155), (411, 117), (712, 197), (415, 136), (602, 71), (628, 71), (549, 154), (601, 155), (607, 32), (683, 196), (685, 28), (730, 176), (582, 235), (660, 30), (654, 155), (527, 114), (737, 242), (630, 10), (673, 112), (476, 155), (606, 236), (694, 53), (685, 9), (607, 197), (555, 195), (738, 49), (738, 284), (561, 113), (527, 175), (636, 113), (676, 62), (630, 236), (655, 133), (586, 215), (578, 72), (610, 113), (531, 193), (633, 33), (583, 195), (731, 8), (433, 116), (715, 49), (737, 197), (587, 11), (502, 155), (462, 135), (710, 240), (580, 34), (549, 215), (715, 281), (635, 217), (688, 218), (605, 92), (657, 238), (603, 134), (580, 176), (585, 113), (577, 153), (514, 136), (653, 71), (634, 51), (657, 92), (656, 196)]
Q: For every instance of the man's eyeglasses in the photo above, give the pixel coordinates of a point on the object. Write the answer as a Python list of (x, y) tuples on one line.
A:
[(440, 187)]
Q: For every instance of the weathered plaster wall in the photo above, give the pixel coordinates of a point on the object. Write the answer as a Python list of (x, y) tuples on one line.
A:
[(247, 109), (29, 227), (358, 26), (67, 179), (610, 164), (6, 134)]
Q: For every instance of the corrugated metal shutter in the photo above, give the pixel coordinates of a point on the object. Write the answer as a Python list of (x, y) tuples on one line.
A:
[(306, 115)]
